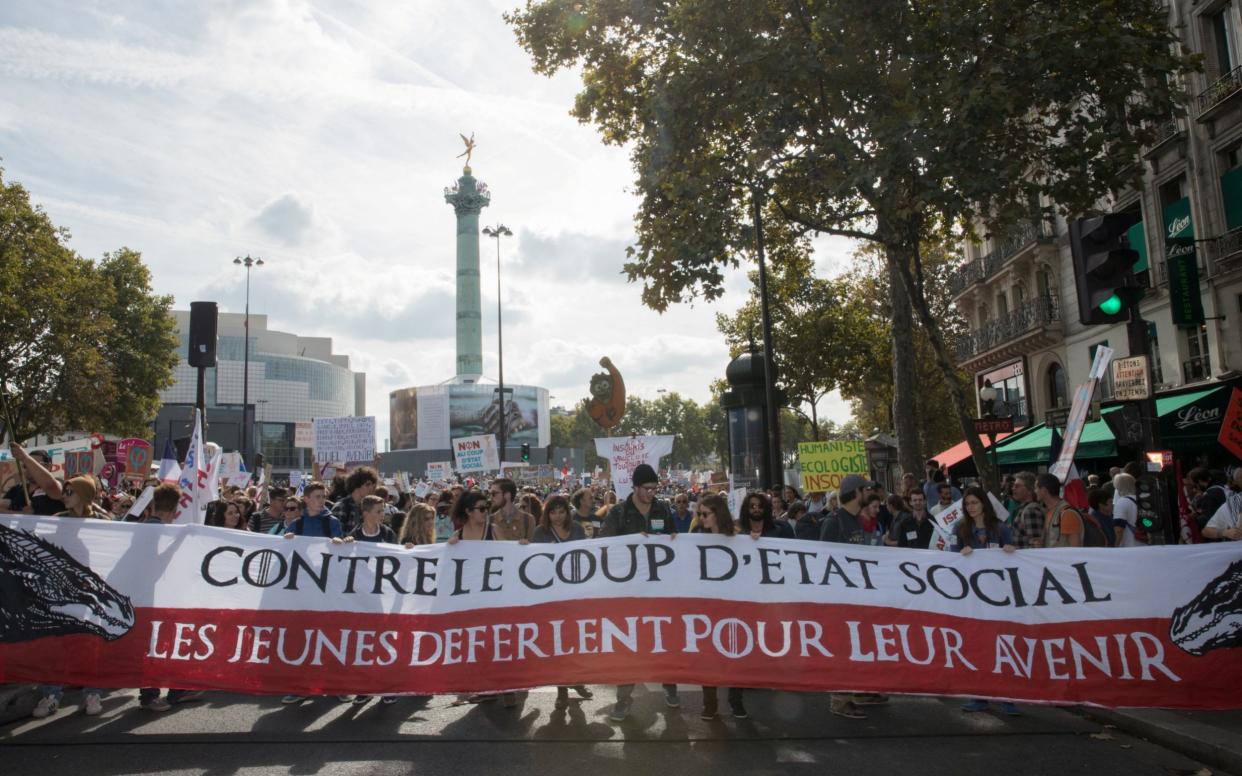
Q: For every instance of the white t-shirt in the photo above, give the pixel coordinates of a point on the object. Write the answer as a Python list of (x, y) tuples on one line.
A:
[(1227, 516), (1125, 509), (624, 454)]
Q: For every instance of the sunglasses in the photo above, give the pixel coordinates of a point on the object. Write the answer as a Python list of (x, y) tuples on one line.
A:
[(67, 491), (293, 509), (480, 508), (706, 514)]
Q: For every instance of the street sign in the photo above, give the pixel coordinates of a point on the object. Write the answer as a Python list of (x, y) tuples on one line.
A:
[(1130, 379), (993, 426)]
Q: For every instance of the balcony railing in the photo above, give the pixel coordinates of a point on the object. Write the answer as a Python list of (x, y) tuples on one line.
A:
[(980, 269), (1030, 315), (1197, 368), (1220, 90), (1164, 133)]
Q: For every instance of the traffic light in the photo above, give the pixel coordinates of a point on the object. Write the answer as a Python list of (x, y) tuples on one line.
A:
[(1104, 267), (526, 452)]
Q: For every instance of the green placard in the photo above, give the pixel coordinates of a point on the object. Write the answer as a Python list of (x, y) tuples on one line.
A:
[(1231, 193), (1185, 303)]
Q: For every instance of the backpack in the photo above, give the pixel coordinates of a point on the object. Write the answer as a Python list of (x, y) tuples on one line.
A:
[(1092, 532)]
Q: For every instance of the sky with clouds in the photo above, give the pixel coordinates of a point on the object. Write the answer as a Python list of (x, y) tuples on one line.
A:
[(320, 136)]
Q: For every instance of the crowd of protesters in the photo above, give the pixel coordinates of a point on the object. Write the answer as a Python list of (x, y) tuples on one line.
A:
[(358, 508)]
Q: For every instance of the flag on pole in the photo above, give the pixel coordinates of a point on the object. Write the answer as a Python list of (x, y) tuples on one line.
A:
[(215, 456), (193, 481), (170, 470)]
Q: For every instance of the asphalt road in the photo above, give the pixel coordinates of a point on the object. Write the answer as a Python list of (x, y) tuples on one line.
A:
[(787, 733)]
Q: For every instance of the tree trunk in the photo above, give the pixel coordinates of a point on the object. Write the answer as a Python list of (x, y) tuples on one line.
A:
[(905, 258), (905, 378)]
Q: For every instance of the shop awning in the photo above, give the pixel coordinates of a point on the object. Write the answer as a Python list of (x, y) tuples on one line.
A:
[(1191, 421), (961, 451), (1188, 421)]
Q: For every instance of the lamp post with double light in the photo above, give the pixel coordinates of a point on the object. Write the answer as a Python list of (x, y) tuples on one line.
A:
[(496, 232), (248, 263)]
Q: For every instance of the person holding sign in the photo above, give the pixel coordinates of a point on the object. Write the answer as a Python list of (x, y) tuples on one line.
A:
[(640, 513), (713, 517)]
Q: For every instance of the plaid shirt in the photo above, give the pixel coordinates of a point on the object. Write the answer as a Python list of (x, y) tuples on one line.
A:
[(1028, 526)]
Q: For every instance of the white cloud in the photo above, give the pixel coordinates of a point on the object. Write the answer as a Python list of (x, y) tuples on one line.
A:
[(320, 136)]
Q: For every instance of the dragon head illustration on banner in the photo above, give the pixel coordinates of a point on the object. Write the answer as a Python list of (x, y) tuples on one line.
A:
[(1213, 620), (44, 591)]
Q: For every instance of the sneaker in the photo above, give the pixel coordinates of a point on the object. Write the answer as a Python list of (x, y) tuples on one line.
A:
[(620, 712), (361, 700), (709, 713), (739, 712), (156, 704), (869, 698), (510, 700), (288, 699), (1011, 710), (672, 699), (94, 706), (46, 707), (345, 698), (388, 699), (186, 696), (978, 704), (583, 692), (847, 709)]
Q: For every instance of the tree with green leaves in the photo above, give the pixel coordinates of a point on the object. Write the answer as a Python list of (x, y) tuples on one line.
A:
[(84, 346), (887, 121), (696, 427)]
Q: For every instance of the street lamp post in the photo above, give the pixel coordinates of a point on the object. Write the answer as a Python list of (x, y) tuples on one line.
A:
[(498, 231), (248, 263)]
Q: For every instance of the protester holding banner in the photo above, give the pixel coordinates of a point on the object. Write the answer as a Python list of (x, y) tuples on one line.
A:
[(420, 526), (713, 517), (682, 514), (272, 515), (472, 512), (360, 483), (980, 528), (79, 498), (290, 512), (555, 527), (915, 528), (584, 512), (641, 513), (316, 520), (1027, 518), (372, 527), (531, 504), (509, 522)]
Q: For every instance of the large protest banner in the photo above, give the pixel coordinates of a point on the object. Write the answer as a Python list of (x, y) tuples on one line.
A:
[(109, 604), (822, 465), (345, 440)]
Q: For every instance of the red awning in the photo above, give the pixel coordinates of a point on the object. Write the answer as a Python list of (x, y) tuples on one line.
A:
[(961, 451)]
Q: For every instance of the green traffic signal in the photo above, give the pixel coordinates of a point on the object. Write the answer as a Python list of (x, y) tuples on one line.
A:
[(1111, 305)]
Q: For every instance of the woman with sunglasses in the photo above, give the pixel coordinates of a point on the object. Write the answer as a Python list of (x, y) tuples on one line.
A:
[(291, 511), (714, 518)]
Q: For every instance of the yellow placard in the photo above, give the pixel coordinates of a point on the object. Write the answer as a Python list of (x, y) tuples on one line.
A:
[(822, 465)]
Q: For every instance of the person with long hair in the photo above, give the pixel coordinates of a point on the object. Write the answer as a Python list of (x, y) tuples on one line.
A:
[(714, 518), (420, 526), (556, 526), (757, 519), (473, 512), (980, 529), (531, 503)]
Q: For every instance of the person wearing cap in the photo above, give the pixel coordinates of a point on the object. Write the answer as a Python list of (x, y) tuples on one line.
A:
[(640, 513), (79, 498), (845, 526), (44, 489)]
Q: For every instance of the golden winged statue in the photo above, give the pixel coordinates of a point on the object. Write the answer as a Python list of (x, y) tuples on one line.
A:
[(470, 145)]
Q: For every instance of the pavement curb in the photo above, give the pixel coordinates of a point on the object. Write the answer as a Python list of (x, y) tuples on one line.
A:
[(1210, 745), (17, 701)]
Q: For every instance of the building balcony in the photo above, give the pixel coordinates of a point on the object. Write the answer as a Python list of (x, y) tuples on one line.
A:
[(1218, 92), (1035, 324), (1166, 133), (1226, 251), (1025, 236)]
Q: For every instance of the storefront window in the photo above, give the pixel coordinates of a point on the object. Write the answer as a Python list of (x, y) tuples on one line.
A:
[(1011, 394), (1058, 387)]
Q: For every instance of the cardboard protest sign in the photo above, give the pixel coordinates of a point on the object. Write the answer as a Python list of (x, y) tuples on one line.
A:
[(344, 440), (476, 453), (134, 457), (440, 470), (1230, 435), (822, 465), (1078, 412)]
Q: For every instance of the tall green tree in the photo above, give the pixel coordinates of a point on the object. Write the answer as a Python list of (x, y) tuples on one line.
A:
[(888, 121), (696, 427), (83, 345)]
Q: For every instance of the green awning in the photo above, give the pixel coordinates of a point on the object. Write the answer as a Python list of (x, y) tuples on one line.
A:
[(1187, 422), (1034, 446)]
